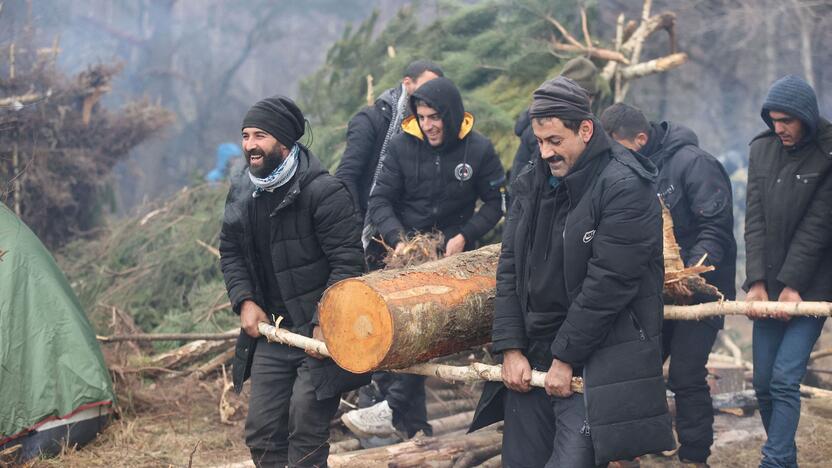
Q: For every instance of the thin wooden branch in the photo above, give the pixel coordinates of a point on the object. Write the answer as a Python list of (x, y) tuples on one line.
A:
[(714, 309), (213, 250), (585, 29), (658, 65), (610, 68), (599, 53), (562, 30), (170, 337), (471, 373), (821, 353)]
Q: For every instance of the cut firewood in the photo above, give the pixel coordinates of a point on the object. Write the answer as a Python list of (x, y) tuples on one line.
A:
[(342, 446), (475, 457), (493, 462), (419, 451), (440, 409), (215, 364), (394, 318), (451, 423)]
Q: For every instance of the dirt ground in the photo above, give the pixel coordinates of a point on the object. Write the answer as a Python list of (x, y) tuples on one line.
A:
[(176, 422)]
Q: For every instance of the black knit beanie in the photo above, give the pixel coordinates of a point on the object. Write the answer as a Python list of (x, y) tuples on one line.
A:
[(560, 97), (279, 116), (792, 95)]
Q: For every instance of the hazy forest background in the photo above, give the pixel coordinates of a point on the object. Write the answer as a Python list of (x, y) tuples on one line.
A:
[(127, 100)]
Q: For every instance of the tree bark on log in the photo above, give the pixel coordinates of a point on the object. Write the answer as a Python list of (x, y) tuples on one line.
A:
[(392, 319), (417, 452)]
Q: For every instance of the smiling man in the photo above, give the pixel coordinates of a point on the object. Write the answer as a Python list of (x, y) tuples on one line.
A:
[(579, 294), (434, 174), (289, 231), (788, 242)]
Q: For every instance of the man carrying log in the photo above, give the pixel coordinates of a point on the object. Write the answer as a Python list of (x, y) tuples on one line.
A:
[(435, 172), (368, 137), (788, 241), (697, 191), (579, 293), (289, 231)]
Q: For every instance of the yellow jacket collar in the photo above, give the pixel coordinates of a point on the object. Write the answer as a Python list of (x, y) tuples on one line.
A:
[(411, 126)]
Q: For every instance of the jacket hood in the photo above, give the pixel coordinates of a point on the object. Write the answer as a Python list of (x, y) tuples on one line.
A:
[(792, 95), (523, 122), (671, 138), (441, 94)]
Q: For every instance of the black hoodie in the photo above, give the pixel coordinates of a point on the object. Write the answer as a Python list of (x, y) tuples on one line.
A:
[(696, 189), (422, 188)]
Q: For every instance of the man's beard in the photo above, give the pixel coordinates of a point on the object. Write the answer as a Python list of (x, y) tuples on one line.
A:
[(270, 162)]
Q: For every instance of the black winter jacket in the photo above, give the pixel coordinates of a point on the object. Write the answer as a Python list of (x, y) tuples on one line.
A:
[(422, 188), (317, 243), (527, 150), (788, 220), (365, 137), (613, 273), (697, 191)]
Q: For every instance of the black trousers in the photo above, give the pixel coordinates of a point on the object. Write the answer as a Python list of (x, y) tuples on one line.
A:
[(544, 431), (688, 343), (286, 423), (405, 393)]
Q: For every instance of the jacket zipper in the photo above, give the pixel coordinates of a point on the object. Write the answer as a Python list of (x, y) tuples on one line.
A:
[(641, 335)]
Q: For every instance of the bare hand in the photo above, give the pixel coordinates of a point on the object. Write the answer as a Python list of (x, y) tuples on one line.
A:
[(250, 315), (516, 373), (317, 334), (787, 295), (757, 292), (558, 381), (455, 245)]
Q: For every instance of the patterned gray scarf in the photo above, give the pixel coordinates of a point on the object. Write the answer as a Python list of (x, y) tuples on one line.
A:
[(395, 127), (282, 174)]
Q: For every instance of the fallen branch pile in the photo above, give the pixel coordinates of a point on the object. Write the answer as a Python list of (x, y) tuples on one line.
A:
[(58, 145)]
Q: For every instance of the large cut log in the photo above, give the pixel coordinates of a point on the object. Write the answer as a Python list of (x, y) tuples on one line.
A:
[(419, 451), (394, 318)]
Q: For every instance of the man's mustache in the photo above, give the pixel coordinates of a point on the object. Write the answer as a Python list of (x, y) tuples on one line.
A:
[(255, 152)]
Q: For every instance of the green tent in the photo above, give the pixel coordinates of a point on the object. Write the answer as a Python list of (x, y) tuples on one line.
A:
[(54, 386)]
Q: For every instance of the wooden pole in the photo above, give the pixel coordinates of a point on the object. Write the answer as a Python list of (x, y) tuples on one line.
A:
[(713, 309), (471, 373), (170, 337)]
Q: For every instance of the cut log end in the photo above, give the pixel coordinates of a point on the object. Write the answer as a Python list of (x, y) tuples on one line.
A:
[(356, 324)]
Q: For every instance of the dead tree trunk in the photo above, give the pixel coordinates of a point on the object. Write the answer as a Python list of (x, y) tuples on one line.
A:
[(395, 318)]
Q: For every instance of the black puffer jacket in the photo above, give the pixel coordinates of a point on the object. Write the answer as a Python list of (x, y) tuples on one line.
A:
[(613, 272), (788, 222), (365, 137), (422, 188), (697, 191), (527, 150), (317, 243)]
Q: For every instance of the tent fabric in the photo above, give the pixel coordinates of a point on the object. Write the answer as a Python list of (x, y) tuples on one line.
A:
[(50, 361)]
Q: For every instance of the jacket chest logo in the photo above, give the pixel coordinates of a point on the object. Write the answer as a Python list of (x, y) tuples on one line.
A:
[(588, 236), (463, 172)]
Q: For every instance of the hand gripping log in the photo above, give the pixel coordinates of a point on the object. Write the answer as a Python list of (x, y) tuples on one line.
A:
[(471, 373)]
